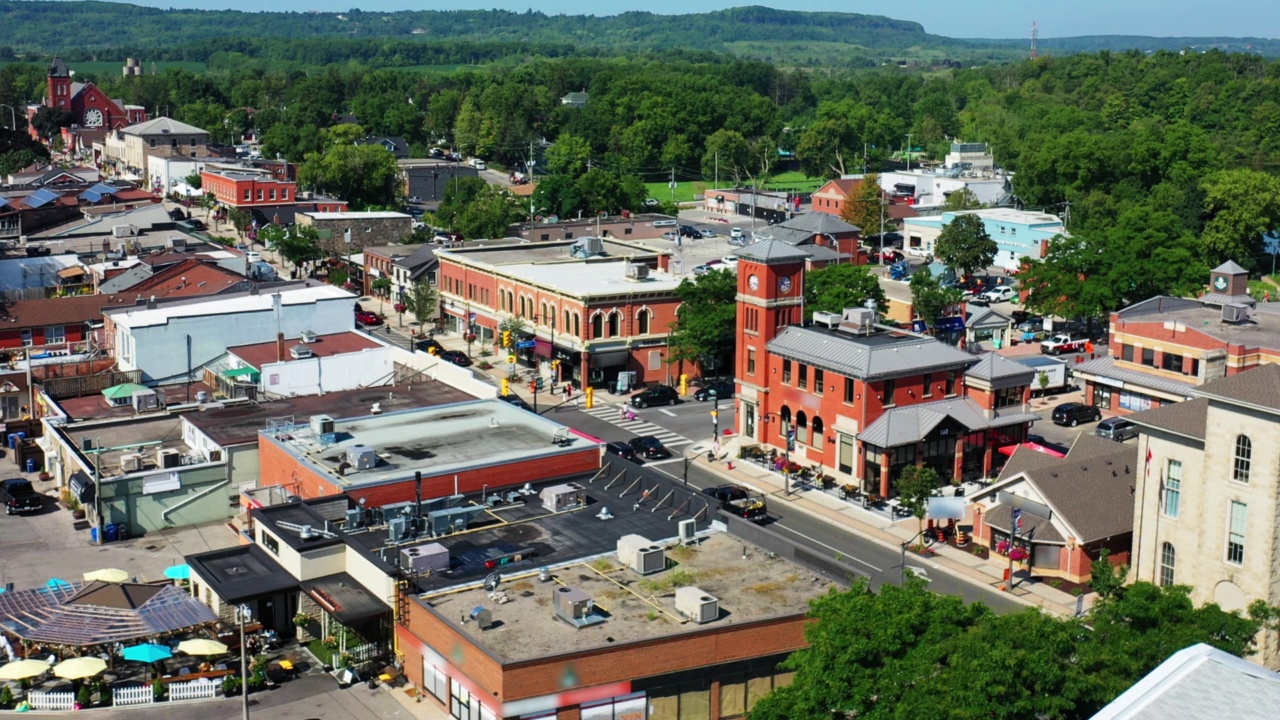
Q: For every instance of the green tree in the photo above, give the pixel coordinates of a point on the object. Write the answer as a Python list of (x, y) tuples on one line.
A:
[(704, 326), (731, 153), (864, 206), (962, 199), (423, 302), (365, 175), (343, 134), (965, 246), (475, 209), (569, 156), (240, 219), (297, 245), (195, 180), (1242, 205), (1105, 577), (837, 287), (929, 299), (49, 122), (915, 484), (381, 286)]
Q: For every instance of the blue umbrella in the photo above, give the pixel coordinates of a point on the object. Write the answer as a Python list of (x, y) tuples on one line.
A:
[(55, 583), (178, 572), (147, 653)]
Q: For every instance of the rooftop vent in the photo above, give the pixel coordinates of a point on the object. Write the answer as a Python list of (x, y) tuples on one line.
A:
[(696, 605), (637, 272), (362, 457), (859, 320), (826, 319), (641, 554), (299, 352), (482, 617), (575, 607), (308, 336)]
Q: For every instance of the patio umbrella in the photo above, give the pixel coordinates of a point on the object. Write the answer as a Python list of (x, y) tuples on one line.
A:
[(57, 583), (23, 669), (147, 653), (201, 646), (178, 572), (79, 668), (111, 575)]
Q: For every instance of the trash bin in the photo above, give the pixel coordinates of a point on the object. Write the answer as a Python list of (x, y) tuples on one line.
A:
[(31, 465), (123, 533), (13, 441), (93, 535), (113, 532)]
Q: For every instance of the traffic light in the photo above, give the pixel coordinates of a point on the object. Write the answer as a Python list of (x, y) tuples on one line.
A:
[(506, 338), (533, 386), (506, 387)]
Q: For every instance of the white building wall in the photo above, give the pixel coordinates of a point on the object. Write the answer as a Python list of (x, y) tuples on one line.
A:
[(164, 173), (316, 375)]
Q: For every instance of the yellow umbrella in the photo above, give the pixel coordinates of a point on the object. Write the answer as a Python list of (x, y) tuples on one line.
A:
[(201, 646), (79, 668), (111, 575), (23, 669)]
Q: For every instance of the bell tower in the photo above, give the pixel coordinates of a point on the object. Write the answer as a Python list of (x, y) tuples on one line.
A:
[(770, 297), (59, 84)]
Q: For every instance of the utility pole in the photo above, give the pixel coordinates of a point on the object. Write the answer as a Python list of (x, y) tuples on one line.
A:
[(908, 152), (1013, 537), (717, 170), (672, 184), (242, 613)]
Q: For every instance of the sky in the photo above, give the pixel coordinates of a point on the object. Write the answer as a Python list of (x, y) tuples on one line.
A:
[(952, 18)]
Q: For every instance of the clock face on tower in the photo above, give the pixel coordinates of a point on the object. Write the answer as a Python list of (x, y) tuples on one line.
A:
[(784, 285), (1220, 283), (753, 282), (93, 118)]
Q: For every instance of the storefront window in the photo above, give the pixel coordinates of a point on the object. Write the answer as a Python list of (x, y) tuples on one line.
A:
[(1102, 396)]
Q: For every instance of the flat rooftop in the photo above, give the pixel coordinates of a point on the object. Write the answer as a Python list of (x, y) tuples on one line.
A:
[(635, 607), (435, 441), (1261, 330), (164, 430), (516, 252), (135, 316), (239, 424), (374, 215), (589, 279), (260, 354)]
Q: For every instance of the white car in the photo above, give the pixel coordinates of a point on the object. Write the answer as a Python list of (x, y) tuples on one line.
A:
[(999, 294), (730, 262), (253, 256), (736, 233), (670, 236), (919, 251)]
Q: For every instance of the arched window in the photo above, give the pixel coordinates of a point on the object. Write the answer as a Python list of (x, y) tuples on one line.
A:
[(615, 324), (566, 324), (577, 325), (818, 427), (597, 326), (642, 321), (543, 317), (784, 422), (549, 316), (1168, 558), (802, 428), (1244, 459)]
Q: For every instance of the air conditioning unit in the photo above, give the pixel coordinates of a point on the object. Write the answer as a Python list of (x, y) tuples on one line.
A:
[(215, 456), (308, 336), (121, 231), (321, 424), (362, 457), (300, 352), (1233, 313), (131, 462), (637, 272), (432, 557), (168, 458), (178, 244), (827, 319), (641, 554), (696, 605)]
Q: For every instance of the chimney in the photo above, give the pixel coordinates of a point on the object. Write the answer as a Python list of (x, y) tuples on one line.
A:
[(151, 303), (279, 347)]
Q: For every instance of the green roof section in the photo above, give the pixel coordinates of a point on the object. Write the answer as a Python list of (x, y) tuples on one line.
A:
[(252, 374), (124, 390)]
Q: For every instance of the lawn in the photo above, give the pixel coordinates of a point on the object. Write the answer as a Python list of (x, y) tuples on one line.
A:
[(686, 191), (115, 67), (691, 190)]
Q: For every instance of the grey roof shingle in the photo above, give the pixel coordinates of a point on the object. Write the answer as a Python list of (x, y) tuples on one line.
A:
[(1199, 682), (910, 424), (772, 251), (1230, 267), (1106, 367), (820, 223), (163, 126), (881, 355), (987, 318), (1034, 528), (1184, 418), (822, 253), (993, 366), (1259, 388)]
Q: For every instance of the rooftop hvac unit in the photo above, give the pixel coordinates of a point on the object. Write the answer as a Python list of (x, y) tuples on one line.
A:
[(696, 605), (826, 319), (321, 424), (641, 554), (144, 400), (299, 352), (362, 457), (429, 558), (637, 272), (397, 529), (688, 530), (121, 231), (308, 336), (131, 462), (592, 245), (1233, 313), (178, 243), (558, 498), (168, 458), (574, 606), (202, 396)]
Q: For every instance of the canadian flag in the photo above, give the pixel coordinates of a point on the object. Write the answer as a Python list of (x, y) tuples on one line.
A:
[(1148, 465)]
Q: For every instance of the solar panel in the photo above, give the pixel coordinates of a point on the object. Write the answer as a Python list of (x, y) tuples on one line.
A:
[(42, 197)]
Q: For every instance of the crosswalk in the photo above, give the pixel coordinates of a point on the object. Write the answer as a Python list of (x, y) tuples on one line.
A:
[(613, 414)]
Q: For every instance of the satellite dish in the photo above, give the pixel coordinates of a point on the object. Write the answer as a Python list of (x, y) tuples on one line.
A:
[(492, 580)]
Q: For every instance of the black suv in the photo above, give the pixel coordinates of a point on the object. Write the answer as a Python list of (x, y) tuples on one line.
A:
[(656, 395), (1075, 413), (721, 389), (19, 497)]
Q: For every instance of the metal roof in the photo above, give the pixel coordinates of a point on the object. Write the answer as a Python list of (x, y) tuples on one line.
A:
[(988, 318), (83, 615), (772, 251), (906, 425), (993, 366), (865, 357), (41, 197), (820, 223), (97, 192), (1105, 367), (1230, 267)]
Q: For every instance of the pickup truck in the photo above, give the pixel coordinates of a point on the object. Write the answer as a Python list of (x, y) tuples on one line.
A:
[(19, 497), (1059, 344), (752, 508)]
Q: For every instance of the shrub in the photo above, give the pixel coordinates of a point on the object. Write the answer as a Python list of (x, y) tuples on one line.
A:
[(6, 697), (158, 689), (230, 684), (85, 696)]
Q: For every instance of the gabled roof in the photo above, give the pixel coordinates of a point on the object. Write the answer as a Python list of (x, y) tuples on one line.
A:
[(73, 310), (1199, 682), (820, 223), (841, 185), (1185, 418), (772, 251), (987, 318), (1230, 267), (867, 357), (993, 366), (1257, 388), (163, 126), (910, 424), (420, 259)]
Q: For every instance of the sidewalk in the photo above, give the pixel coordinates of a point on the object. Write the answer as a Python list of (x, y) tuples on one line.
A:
[(878, 527)]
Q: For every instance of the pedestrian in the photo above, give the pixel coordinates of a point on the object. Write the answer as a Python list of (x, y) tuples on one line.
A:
[(623, 408)]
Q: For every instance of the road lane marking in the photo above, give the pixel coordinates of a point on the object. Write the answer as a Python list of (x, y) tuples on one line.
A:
[(667, 412), (840, 553)]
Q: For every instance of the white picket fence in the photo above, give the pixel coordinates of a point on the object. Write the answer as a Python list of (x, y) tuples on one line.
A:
[(201, 689), (51, 700), (123, 696), (366, 652)]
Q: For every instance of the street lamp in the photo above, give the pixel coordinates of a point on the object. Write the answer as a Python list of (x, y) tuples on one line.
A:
[(242, 616)]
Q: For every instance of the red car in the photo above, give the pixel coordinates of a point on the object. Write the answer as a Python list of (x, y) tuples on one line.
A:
[(367, 318)]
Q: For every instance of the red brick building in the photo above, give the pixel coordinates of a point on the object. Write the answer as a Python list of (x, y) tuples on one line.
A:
[(829, 199), (594, 308), (58, 325), (94, 112), (248, 189), (859, 399)]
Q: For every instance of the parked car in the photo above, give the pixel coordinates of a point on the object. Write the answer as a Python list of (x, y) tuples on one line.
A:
[(890, 256), (707, 233), (650, 448), (517, 401), (670, 236), (919, 251), (1072, 414), (656, 395), (364, 317), (651, 202), (457, 357), (624, 451), (721, 389), (197, 224), (690, 232), (429, 345), (1063, 343), (19, 497), (709, 266), (736, 233), (1004, 293), (725, 493), (1117, 429), (253, 256), (729, 261)]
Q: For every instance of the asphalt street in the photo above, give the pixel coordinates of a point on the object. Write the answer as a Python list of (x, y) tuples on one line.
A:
[(883, 564)]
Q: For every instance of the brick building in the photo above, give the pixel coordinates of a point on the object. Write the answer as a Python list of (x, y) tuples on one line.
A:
[(594, 308), (244, 189), (344, 233), (94, 112), (621, 227), (860, 399), (56, 325), (1163, 349)]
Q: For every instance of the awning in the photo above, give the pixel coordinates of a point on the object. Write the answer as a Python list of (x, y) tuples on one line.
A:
[(611, 358), (248, 372), (81, 486), (124, 390), (345, 599), (1009, 449), (542, 348), (70, 272)]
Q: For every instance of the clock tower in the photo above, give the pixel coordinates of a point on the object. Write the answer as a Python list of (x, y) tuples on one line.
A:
[(770, 297)]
